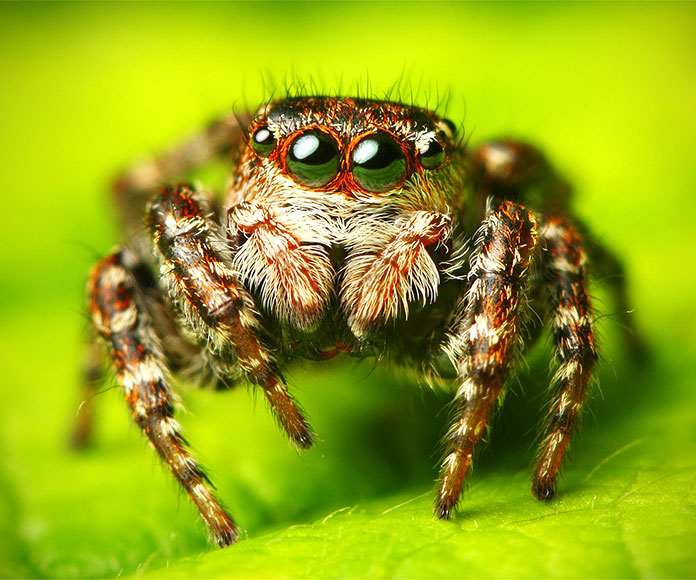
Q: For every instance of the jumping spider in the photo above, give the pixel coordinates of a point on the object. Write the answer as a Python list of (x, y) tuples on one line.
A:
[(350, 226)]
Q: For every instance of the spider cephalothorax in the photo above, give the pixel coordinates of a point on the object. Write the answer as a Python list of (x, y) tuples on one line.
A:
[(347, 226)]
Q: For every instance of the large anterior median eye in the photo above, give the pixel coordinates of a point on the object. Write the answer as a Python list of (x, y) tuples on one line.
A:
[(378, 163), (313, 159)]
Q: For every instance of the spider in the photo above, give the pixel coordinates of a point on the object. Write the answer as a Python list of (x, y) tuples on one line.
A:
[(353, 226)]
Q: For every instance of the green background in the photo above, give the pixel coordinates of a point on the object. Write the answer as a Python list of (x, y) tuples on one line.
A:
[(608, 90)]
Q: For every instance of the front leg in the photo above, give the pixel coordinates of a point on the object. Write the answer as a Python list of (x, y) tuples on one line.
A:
[(377, 287), (485, 336), (215, 306)]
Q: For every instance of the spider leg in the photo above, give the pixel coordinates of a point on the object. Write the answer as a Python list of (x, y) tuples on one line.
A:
[(92, 378), (133, 188), (609, 268), (485, 336), (564, 270), (122, 322), (519, 172), (219, 311)]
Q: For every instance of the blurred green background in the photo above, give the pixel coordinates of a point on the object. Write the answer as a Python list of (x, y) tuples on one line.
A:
[(607, 89)]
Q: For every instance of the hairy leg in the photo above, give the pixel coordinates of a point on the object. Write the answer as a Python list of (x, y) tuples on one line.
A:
[(122, 322), (519, 171), (564, 270), (132, 190), (486, 336), (219, 311)]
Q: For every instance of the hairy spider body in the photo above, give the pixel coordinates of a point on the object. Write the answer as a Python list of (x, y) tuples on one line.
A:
[(348, 226)]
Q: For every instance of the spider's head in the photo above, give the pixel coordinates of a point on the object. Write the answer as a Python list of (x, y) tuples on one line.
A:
[(357, 148)]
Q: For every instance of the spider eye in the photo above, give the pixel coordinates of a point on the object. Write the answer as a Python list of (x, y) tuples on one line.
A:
[(313, 159), (448, 128), (432, 155), (263, 142), (378, 163)]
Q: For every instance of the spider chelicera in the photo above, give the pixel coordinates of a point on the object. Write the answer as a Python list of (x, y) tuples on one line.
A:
[(349, 226)]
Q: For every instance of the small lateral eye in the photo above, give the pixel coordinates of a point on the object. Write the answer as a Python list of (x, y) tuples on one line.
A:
[(378, 163), (263, 142), (431, 155), (312, 159)]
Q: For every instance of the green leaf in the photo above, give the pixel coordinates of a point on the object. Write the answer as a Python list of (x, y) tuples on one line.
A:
[(359, 504)]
